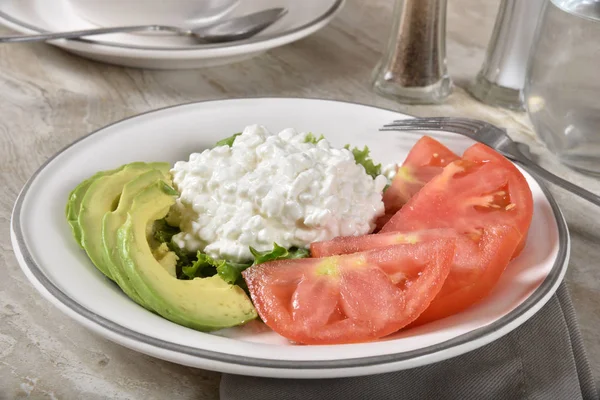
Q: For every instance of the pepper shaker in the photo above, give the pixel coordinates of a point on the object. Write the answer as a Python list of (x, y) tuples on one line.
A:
[(502, 77), (413, 69)]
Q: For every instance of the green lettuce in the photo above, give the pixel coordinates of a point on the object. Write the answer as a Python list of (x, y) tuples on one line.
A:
[(206, 266), (278, 253), (164, 232), (310, 138), (231, 272), (201, 265), (363, 158), (227, 141)]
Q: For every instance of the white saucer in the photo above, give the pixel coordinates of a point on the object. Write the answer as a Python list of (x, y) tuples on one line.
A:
[(61, 272), (161, 51)]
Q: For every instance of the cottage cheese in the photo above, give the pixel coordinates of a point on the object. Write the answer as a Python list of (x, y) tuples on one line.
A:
[(272, 188), (390, 171)]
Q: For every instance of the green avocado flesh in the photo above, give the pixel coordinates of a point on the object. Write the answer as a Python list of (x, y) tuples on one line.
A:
[(102, 196), (202, 303), (113, 220), (74, 204), (112, 216)]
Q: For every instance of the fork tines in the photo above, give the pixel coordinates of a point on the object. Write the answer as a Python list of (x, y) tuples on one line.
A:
[(437, 123)]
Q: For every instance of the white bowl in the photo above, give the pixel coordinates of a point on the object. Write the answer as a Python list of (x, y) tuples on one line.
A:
[(150, 12), (170, 52)]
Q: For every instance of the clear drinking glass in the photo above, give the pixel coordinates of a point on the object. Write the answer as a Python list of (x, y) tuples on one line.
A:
[(562, 89)]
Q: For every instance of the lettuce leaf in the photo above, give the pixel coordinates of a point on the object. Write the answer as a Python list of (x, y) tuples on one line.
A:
[(206, 266), (201, 265), (310, 138), (164, 232), (184, 258), (230, 271), (228, 141), (363, 158), (278, 253)]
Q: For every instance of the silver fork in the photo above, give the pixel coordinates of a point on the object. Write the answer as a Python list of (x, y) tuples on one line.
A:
[(492, 136)]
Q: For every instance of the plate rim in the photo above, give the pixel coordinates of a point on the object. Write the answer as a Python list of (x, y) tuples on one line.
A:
[(478, 336), (265, 40)]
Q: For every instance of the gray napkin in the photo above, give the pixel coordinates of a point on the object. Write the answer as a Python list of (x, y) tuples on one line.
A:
[(542, 359)]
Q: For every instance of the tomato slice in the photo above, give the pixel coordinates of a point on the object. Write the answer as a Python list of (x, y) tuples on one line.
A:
[(481, 189), (350, 298), (478, 263), (355, 244), (476, 269), (518, 201), (426, 159)]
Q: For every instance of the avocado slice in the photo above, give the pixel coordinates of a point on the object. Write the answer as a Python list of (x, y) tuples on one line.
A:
[(102, 196), (74, 203), (113, 220), (203, 303)]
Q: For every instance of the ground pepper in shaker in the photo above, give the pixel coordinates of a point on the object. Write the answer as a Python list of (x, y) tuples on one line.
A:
[(413, 69)]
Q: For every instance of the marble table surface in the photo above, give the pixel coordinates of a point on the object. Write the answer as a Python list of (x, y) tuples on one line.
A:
[(49, 98)]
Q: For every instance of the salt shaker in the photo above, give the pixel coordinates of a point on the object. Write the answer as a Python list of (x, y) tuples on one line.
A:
[(502, 77), (413, 69)]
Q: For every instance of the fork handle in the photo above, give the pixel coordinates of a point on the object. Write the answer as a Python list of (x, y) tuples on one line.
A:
[(549, 176)]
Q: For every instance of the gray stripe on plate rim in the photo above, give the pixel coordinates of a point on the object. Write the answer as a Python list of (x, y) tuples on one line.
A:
[(537, 295), (257, 39)]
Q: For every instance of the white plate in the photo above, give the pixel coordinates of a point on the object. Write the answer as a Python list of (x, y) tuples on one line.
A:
[(60, 270), (160, 51)]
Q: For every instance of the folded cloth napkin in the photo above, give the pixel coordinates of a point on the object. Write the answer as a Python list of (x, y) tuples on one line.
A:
[(542, 359)]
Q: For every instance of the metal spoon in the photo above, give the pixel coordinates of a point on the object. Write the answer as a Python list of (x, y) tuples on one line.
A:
[(223, 31)]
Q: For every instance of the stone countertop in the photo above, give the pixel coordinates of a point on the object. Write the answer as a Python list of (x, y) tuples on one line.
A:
[(49, 98)]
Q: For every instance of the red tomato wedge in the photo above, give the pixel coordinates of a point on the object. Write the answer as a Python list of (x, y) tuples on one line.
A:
[(475, 271), (426, 159), (481, 189), (517, 200), (355, 244), (350, 298), (478, 263)]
